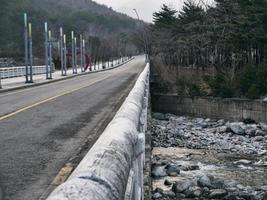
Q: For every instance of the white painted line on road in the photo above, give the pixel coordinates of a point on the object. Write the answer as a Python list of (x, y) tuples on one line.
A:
[(50, 99)]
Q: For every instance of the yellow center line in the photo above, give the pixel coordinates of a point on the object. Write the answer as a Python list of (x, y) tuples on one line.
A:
[(49, 99)]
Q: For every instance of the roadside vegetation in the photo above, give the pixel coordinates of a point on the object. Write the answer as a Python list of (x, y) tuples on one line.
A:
[(218, 50), (108, 34)]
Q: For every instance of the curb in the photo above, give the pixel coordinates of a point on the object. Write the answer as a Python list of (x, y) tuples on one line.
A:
[(61, 79)]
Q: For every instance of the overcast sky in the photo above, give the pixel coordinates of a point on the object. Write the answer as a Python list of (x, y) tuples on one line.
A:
[(145, 8)]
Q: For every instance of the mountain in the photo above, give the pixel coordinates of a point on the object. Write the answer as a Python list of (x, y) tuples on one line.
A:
[(83, 16)]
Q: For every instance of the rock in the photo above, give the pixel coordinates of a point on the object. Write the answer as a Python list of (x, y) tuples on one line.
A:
[(243, 162), (250, 132), (170, 194), (181, 186), (263, 127), (204, 181), (180, 196), (259, 133), (167, 182), (222, 129), (264, 188), (193, 192), (218, 193), (264, 196), (221, 122), (159, 171), (172, 170), (236, 129), (230, 183), (217, 184), (259, 138), (159, 116), (203, 125), (157, 195), (190, 167)]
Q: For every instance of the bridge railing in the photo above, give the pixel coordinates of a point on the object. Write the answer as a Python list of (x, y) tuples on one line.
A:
[(11, 72), (113, 168)]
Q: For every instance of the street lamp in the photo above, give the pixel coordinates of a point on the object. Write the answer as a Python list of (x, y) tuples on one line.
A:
[(143, 34)]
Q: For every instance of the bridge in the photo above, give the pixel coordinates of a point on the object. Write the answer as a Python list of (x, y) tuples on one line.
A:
[(47, 130)]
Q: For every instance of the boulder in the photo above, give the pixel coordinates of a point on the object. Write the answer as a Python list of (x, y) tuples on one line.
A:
[(204, 181), (159, 171), (157, 195), (190, 167), (172, 170), (167, 182), (181, 186), (218, 193), (236, 129)]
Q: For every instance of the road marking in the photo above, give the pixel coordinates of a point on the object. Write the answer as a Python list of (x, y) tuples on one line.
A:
[(45, 85), (49, 99)]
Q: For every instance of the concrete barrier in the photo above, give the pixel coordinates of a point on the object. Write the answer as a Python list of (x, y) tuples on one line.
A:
[(113, 168)]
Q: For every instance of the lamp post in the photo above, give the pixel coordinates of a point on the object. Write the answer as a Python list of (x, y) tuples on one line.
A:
[(30, 52), (26, 46), (50, 56), (61, 44), (46, 50), (0, 80), (81, 52), (72, 52), (84, 55), (28, 49), (65, 54), (75, 54), (143, 35)]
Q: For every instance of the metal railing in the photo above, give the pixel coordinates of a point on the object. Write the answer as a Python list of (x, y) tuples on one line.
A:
[(11, 72), (113, 168)]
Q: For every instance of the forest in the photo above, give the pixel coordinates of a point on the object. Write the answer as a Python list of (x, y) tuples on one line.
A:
[(107, 33), (212, 50)]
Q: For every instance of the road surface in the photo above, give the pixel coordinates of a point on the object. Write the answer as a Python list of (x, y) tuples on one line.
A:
[(45, 127)]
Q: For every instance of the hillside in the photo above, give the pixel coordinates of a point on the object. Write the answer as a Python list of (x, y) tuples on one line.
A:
[(83, 16)]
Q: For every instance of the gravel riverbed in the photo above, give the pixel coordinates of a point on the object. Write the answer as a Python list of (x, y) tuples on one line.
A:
[(196, 158)]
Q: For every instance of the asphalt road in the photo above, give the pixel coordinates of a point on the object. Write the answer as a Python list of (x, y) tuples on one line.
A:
[(42, 128)]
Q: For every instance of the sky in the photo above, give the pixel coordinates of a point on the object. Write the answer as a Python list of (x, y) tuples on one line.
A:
[(145, 8)]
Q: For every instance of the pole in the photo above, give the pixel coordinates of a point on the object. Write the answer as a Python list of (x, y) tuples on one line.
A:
[(72, 52), (30, 51), (65, 55), (46, 51), (0, 80), (144, 37), (26, 47), (50, 57), (61, 51), (81, 52), (75, 55), (84, 55)]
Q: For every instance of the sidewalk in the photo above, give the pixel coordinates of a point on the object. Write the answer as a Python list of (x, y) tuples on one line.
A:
[(10, 84)]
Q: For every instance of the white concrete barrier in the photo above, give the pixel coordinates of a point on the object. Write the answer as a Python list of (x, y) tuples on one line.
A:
[(113, 168)]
